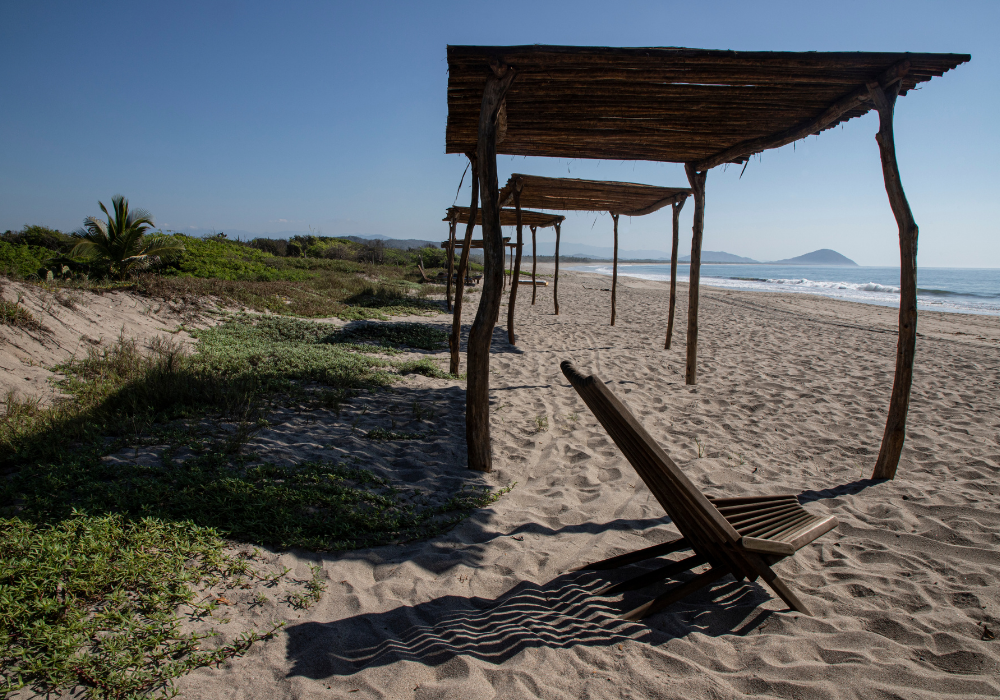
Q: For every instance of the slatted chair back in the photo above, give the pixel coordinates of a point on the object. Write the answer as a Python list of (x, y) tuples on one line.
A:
[(698, 520)]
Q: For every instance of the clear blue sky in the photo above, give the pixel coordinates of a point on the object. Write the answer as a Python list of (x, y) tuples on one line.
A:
[(270, 117)]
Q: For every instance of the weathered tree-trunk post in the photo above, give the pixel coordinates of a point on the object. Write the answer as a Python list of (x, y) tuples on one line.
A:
[(511, 265), (697, 180), (534, 255), (503, 283), (555, 281), (451, 259), (515, 278), (614, 271), (477, 396), (899, 403), (455, 341), (673, 270)]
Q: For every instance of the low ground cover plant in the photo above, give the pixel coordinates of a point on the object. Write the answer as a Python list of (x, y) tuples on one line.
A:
[(99, 557), (414, 335)]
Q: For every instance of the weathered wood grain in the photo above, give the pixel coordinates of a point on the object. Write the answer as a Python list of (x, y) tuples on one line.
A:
[(673, 270), (697, 180), (477, 395), (899, 401)]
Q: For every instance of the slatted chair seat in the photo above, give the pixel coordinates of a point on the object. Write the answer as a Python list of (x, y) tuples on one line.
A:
[(741, 536)]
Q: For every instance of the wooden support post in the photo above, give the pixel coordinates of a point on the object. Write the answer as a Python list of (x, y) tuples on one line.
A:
[(555, 282), (697, 180), (614, 271), (455, 341), (673, 270), (515, 278), (477, 395), (534, 255), (895, 425), (451, 259)]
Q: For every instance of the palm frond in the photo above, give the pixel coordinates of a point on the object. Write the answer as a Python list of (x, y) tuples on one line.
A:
[(85, 249), (159, 245)]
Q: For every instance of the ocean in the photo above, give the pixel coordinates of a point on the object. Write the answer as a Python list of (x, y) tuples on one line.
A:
[(960, 290)]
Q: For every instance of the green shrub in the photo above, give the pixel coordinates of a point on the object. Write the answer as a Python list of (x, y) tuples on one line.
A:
[(42, 237), (23, 260), (228, 260)]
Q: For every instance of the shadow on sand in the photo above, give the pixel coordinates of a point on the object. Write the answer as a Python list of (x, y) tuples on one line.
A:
[(562, 614)]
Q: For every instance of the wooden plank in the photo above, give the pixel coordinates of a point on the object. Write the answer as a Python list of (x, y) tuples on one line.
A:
[(755, 544), (736, 500), (657, 550), (759, 519), (772, 530), (754, 506), (816, 530), (776, 584), (754, 524), (654, 576), (676, 594)]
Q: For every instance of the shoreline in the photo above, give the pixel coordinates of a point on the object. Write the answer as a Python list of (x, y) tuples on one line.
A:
[(873, 293)]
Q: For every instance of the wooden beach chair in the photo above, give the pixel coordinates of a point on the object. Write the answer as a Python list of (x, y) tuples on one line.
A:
[(739, 536)]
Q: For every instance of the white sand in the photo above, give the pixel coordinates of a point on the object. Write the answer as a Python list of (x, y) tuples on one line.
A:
[(792, 397)]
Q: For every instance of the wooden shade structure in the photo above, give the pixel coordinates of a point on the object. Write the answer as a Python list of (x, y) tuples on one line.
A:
[(698, 107), (616, 198), (463, 215), (508, 217)]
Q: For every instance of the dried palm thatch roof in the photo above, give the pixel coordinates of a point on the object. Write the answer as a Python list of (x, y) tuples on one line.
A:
[(508, 217), (678, 105), (569, 194)]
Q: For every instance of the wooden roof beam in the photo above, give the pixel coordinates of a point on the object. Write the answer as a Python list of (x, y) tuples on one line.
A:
[(812, 126), (673, 199)]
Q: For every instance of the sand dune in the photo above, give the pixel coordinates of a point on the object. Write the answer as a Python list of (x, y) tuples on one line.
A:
[(74, 321), (792, 397)]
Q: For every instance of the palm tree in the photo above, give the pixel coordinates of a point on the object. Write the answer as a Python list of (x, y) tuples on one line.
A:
[(121, 243)]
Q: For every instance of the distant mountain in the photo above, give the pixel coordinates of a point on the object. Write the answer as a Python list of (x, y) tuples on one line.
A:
[(824, 256), (400, 243), (582, 250), (717, 256)]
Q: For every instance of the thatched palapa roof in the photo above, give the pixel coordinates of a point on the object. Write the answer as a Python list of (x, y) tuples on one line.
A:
[(508, 217), (569, 194), (678, 105)]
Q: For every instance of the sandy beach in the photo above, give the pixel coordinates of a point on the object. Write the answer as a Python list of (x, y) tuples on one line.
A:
[(792, 396)]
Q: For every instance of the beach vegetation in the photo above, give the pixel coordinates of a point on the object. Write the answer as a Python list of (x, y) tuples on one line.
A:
[(14, 314), (122, 244), (124, 498), (414, 335), (92, 602)]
